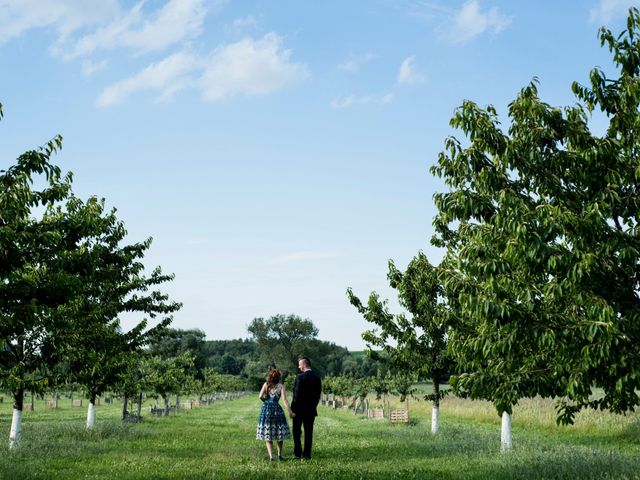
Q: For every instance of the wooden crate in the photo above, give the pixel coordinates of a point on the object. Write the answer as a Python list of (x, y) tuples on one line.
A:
[(375, 413), (399, 416)]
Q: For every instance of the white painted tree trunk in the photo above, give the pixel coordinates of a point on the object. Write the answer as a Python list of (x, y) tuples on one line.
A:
[(505, 434), (435, 411), (16, 428), (91, 415)]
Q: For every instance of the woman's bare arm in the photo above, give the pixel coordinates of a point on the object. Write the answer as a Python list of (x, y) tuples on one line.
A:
[(263, 392), (286, 402)]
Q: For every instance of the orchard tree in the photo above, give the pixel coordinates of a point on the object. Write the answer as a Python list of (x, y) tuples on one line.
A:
[(173, 342), (540, 226), (403, 383), (114, 283), (131, 380), (52, 251), (381, 384), (168, 376), (282, 339), (415, 344), (210, 382), (40, 270)]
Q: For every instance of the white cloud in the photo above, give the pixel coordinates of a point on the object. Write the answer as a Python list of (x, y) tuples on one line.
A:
[(65, 16), (252, 67), (470, 21), (423, 10), (244, 23), (608, 10), (176, 21), (407, 74), (352, 100), (304, 256), (89, 67), (166, 77), (356, 62)]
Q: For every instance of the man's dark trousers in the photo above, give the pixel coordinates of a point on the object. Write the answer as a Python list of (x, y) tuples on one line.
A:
[(298, 423)]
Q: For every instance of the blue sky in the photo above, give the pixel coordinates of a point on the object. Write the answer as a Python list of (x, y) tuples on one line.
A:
[(277, 152)]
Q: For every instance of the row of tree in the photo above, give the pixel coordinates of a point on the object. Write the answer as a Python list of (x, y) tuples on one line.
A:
[(66, 275), (538, 290)]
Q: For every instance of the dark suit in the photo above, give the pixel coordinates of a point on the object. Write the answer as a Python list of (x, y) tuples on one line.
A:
[(306, 395)]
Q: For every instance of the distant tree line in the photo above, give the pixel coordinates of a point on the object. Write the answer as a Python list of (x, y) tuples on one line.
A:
[(276, 342)]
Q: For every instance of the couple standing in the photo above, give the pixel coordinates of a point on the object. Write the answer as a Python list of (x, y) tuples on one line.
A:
[(272, 424)]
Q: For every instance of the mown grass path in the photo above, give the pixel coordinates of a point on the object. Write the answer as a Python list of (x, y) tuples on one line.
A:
[(219, 442)]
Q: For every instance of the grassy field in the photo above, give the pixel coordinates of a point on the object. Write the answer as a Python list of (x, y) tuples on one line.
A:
[(218, 442)]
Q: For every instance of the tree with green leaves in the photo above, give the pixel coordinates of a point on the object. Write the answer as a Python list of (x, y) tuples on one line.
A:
[(417, 343), (168, 376), (131, 381), (173, 342), (41, 268), (540, 227), (210, 382), (381, 384), (282, 339), (63, 282), (114, 283)]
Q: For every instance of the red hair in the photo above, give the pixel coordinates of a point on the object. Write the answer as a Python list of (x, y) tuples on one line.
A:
[(273, 378)]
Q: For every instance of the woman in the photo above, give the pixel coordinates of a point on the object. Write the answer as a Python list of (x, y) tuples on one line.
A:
[(272, 424)]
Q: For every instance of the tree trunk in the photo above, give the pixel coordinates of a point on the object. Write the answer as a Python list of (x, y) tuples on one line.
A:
[(16, 420), (124, 408), (166, 405), (505, 434), (389, 409), (435, 410), (140, 405), (91, 411)]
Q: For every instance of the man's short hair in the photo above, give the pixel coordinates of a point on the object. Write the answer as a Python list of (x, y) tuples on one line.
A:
[(305, 360)]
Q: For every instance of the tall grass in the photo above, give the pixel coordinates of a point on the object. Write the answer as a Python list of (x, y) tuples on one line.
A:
[(219, 442)]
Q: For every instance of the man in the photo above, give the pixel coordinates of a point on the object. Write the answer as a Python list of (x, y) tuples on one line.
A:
[(306, 395)]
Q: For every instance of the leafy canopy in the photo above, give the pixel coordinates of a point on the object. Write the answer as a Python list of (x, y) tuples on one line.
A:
[(540, 226)]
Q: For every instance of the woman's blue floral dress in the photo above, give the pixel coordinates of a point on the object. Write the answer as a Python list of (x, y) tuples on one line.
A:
[(272, 424)]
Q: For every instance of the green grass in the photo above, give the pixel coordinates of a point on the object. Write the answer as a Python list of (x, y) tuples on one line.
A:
[(218, 442)]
